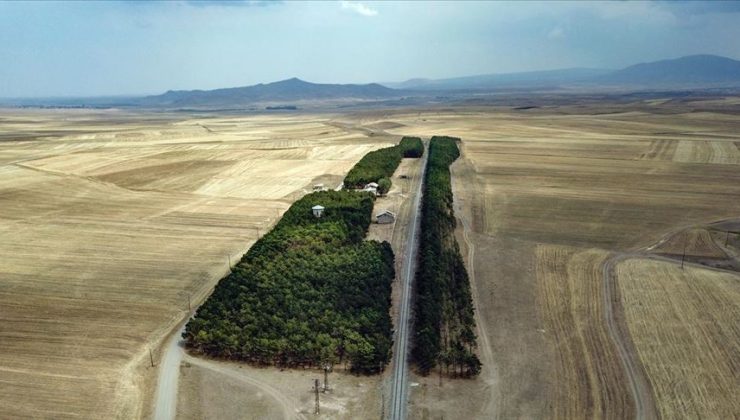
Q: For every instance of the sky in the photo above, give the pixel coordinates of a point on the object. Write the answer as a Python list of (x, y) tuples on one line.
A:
[(50, 49)]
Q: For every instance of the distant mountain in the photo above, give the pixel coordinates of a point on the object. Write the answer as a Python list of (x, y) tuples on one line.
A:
[(291, 90), (685, 72), (504, 80), (690, 70)]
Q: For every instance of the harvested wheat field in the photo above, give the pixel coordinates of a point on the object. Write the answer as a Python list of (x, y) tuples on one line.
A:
[(112, 222), (590, 384), (548, 199), (684, 324)]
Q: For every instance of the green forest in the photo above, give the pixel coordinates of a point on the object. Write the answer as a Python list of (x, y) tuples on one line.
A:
[(310, 292), (379, 165), (444, 323)]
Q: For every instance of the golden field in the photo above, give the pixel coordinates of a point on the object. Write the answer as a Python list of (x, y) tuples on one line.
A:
[(550, 199), (113, 221), (685, 327), (573, 219)]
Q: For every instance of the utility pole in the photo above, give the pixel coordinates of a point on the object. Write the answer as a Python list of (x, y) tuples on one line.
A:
[(683, 256), (326, 377), (727, 237), (151, 358), (189, 307), (228, 258), (316, 391), (382, 405)]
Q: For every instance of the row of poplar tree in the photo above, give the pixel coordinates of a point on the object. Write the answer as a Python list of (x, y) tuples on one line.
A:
[(444, 322), (379, 165)]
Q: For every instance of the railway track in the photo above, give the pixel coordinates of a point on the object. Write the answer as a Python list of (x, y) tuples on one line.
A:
[(399, 378)]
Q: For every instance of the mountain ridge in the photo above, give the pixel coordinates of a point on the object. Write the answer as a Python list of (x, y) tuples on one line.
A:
[(699, 68), (687, 70)]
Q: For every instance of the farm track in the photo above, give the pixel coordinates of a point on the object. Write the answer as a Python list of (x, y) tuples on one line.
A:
[(165, 405), (638, 383), (484, 344)]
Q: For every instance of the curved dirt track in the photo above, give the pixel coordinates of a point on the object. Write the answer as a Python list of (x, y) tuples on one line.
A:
[(288, 406), (645, 405), (638, 383)]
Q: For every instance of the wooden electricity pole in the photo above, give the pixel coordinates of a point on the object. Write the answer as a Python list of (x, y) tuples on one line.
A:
[(727, 237), (326, 377), (151, 358), (316, 391), (683, 256), (382, 406)]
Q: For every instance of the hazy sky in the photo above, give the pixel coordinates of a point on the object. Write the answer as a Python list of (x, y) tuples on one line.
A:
[(102, 48)]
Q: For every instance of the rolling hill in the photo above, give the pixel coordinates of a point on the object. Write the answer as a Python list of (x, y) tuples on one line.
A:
[(290, 90)]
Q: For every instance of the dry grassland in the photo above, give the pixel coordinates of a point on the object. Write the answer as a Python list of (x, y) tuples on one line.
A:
[(545, 196), (206, 394), (221, 390), (684, 324), (112, 221)]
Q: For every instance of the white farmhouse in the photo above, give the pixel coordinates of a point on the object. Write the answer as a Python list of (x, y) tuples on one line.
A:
[(371, 189), (385, 217)]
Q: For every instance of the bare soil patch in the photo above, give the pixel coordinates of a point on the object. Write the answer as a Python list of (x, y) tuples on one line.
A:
[(205, 392)]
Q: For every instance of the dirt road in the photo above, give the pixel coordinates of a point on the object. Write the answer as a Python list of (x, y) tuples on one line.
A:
[(165, 406), (486, 352), (399, 377), (638, 382), (167, 386)]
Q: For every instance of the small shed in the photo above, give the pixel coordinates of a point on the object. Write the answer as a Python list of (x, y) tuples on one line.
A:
[(370, 189), (317, 210), (372, 185), (385, 217), (319, 187)]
